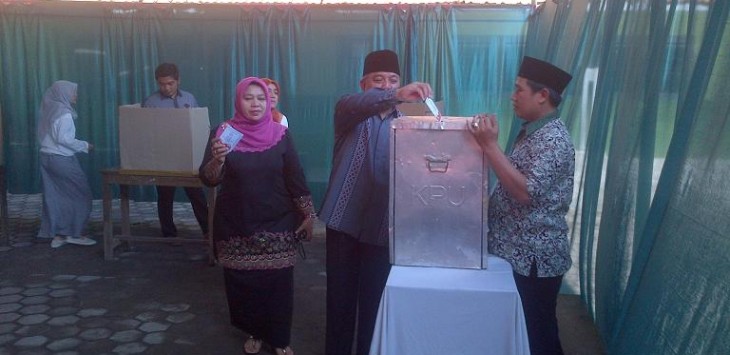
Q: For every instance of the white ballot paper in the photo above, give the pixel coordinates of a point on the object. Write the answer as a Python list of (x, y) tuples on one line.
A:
[(230, 136), (432, 106)]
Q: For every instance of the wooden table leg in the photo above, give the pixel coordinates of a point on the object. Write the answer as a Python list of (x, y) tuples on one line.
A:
[(124, 208), (211, 213), (4, 218), (108, 227)]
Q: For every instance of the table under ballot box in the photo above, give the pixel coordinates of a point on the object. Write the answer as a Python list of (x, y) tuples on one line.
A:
[(438, 194)]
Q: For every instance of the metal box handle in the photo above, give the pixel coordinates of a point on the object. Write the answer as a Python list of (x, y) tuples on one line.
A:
[(438, 164)]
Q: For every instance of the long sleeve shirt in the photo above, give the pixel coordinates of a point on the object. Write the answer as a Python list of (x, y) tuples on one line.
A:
[(257, 208), (61, 138), (356, 201)]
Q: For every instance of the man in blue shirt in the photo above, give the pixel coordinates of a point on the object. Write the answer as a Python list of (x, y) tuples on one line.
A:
[(170, 96), (527, 209), (355, 209)]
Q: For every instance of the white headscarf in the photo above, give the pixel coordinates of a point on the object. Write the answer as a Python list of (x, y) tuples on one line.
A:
[(56, 103)]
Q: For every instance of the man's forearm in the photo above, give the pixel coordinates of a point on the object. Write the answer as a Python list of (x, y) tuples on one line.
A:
[(511, 179), (354, 108)]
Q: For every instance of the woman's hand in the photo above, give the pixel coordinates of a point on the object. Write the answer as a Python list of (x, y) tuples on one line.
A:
[(308, 227), (213, 169), (485, 129), (219, 150)]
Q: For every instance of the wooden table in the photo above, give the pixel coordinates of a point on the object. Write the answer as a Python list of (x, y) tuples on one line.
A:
[(125, 178)]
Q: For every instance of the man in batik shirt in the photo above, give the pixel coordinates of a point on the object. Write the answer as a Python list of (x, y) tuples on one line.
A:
[(527, 209)]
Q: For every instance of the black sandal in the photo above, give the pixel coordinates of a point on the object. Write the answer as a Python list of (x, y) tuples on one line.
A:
[(256, 343)]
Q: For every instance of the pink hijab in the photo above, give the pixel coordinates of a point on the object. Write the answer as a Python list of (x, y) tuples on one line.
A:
[(257, 135)]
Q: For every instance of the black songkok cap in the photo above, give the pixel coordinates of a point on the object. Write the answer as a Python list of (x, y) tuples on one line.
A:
[(544, 73), (383, 60)]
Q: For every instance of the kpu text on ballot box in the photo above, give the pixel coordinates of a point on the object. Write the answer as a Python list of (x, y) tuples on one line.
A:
[(438, 194)]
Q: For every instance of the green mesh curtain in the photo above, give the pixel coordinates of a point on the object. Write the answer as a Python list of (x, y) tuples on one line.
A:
[(647, 108), (469, 54), (649, 114)]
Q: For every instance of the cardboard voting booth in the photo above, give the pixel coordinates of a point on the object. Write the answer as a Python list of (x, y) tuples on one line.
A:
[(438, 194), (162, 139)]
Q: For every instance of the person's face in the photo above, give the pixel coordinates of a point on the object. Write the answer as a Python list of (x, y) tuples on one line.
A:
[(381, 80), (168, 86), (526, 102), (74, 97), (253, 102), (273, 95)]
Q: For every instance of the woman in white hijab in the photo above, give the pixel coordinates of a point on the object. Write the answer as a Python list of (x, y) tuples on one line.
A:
[(66, 192)]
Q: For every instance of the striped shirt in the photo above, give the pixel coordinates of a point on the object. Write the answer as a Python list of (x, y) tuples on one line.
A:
[(356, 201)]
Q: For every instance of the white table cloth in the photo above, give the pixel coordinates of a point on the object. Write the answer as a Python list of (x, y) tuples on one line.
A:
[(450, 311)]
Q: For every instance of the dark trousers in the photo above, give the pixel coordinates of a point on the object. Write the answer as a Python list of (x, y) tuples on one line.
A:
[(539, 300), (261, 303), (165, 197), (356, 276)]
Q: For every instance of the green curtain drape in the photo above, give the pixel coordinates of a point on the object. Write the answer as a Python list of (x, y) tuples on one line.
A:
[(469, 54), (651, 231), (647, 110)]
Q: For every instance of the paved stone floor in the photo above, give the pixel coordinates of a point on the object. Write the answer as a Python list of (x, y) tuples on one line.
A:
[(156, 298)]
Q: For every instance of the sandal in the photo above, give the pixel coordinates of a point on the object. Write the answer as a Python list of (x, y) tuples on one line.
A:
[(252, 346)]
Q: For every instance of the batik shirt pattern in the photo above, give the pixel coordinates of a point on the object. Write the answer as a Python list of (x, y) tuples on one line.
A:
[(537, 232)]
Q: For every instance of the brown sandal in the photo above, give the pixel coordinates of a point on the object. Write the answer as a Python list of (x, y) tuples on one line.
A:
[(252, 343)]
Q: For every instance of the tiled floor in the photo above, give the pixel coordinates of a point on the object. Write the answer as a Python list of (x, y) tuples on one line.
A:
[(156, 298)]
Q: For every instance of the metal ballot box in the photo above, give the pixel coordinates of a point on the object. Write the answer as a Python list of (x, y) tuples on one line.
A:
[(438, 194)]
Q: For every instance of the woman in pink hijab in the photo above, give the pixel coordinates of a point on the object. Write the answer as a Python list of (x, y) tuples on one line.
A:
[(263, 212)]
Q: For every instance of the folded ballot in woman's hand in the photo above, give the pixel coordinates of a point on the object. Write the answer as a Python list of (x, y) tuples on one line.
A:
[(229, 136)]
